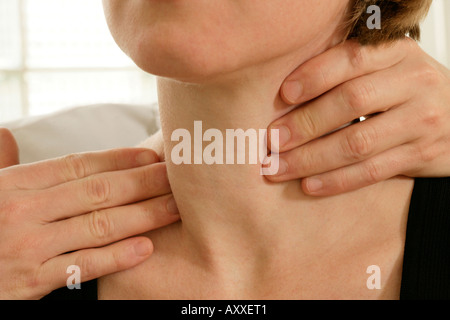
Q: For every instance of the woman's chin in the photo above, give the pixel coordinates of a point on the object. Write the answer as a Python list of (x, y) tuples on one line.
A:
[(185, 68)]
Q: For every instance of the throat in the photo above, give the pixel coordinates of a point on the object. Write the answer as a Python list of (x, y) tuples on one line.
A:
[(230, 213)]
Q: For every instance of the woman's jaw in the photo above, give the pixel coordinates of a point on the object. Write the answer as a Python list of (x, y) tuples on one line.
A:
[(197, 41)]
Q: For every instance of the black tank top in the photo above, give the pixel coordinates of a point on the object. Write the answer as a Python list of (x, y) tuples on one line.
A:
[(426, 261)]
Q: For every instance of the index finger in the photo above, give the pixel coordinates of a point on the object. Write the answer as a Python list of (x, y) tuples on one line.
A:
[(340, 64), (49, 173)]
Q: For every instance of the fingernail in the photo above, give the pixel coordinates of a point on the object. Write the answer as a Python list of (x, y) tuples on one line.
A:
[(314, 185), (145, 157), (284, 135), (292, 90), (282, 167), (270, 165), (142, 248), (172, 206)]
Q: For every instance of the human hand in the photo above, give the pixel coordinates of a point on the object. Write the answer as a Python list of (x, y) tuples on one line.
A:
[(9, 151), (76, 210), (406, 92)]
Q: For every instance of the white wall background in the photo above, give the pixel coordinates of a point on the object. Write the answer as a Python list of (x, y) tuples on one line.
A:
[(436, 32), (57, 54), (42, 69)]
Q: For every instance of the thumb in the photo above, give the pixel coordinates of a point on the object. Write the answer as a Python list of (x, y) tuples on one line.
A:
[(9, 151)]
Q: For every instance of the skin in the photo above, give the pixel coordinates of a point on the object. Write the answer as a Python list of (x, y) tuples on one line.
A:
[(179, 41), (42, 203), (424, 156), (382, 146), (228, 243), (364, 155)]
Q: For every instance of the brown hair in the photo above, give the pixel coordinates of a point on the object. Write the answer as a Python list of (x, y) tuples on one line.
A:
[(398, 18)]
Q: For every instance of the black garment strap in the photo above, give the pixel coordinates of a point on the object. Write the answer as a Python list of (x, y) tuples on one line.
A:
[(426, 262)]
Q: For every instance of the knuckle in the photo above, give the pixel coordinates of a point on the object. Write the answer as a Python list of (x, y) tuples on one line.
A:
[(426, 153), (153, 179), (75, 166), (429, 75), (147, 180), (356, 96), (307, 163), (117, 260), (373, 172), (357, 55), (116, 156), (307, 122), (342, 181), (98, 190), (87, 264), (32, 285), (100, 225), (432, 117), (148, 211), (92, 266), (323, 75), (360, 144)]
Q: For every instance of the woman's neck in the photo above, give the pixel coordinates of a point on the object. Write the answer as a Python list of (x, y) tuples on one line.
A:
[(230, 212)]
